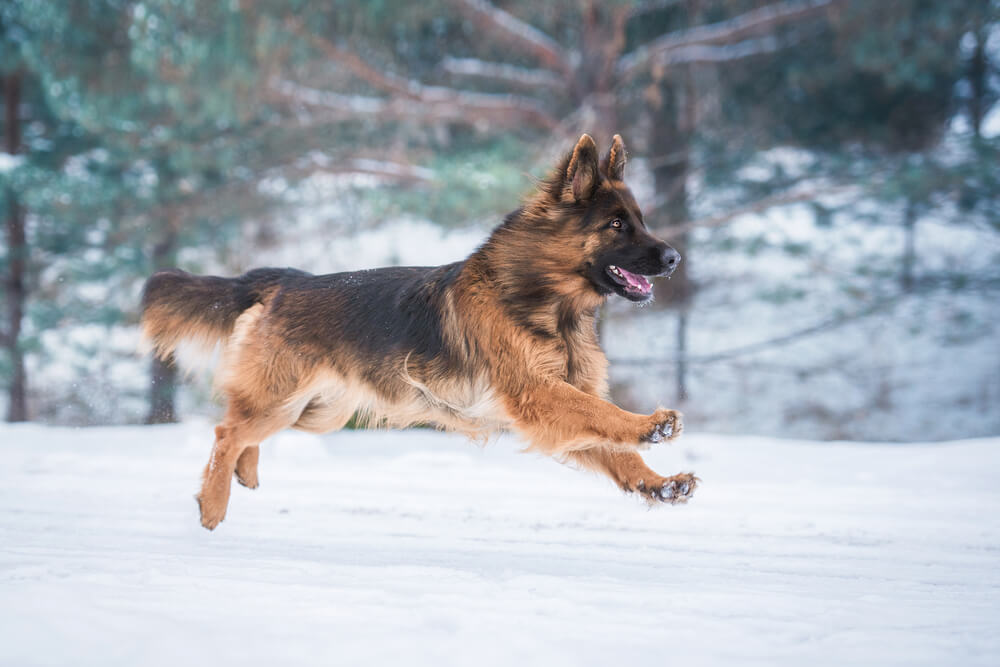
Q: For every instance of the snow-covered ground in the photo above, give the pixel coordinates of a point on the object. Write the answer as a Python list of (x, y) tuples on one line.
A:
[(415, 548)]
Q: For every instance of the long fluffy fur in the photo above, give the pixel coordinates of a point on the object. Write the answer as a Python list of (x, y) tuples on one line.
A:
[(504, 339), (180, 307)]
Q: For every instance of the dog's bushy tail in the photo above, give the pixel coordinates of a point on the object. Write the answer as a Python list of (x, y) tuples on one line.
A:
[(181, 307)]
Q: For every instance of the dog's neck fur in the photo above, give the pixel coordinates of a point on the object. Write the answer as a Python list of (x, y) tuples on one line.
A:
[(537, 285)]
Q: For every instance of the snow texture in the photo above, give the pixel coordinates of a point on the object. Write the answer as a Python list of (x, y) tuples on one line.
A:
[(374, 548), (10, 162)]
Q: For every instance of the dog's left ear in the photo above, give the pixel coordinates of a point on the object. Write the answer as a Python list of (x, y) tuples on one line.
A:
[(582, 176), (614, 162)]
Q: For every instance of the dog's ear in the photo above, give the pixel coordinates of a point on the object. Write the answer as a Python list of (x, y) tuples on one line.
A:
[(581, 176), (614, 162)]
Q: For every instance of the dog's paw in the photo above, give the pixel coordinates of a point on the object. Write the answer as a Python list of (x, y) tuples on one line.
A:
[(246, 468), (211, 514), (247, 477), (667, 425), (673, 490)]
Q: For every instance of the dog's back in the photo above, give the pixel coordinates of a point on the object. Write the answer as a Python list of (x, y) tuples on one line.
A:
[(382, 344), (396, 308)]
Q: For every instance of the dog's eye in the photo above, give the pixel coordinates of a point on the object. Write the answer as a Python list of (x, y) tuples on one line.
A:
[(616, 224)]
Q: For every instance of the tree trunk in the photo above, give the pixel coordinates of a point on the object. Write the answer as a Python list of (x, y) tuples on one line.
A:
[(163, 379), (682, 329), (670, 146), (17, 252), (977, 79), (163, 374), (909, 246), (593, 87)]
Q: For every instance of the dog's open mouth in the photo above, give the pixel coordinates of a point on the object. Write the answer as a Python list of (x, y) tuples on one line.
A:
[(633, 283)]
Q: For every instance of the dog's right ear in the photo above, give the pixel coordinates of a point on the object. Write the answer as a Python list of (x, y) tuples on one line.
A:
[(614, 163), (581, 176)]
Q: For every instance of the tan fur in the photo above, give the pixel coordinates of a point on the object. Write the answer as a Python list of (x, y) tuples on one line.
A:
[(631, 473), (614, 165), (543, 375), (164, 333), (582, 172)]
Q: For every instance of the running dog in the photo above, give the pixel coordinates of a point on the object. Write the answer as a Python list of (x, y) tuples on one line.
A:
[(505, 339)]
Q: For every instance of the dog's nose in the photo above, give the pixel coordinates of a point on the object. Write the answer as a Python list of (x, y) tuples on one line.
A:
[(670, 258)]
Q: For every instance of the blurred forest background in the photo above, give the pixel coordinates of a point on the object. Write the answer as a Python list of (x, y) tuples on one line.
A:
[(828, 168)]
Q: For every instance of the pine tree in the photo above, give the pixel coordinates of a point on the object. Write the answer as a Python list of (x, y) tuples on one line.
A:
[(17, 247), (39, 143), (873, 97), (170, 157)]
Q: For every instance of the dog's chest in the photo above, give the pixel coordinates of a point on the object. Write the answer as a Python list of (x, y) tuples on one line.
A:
[(584, 362)]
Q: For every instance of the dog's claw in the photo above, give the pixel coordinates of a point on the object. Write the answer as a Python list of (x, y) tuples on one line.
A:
[(663, 430), (674, 490), (660, 433)]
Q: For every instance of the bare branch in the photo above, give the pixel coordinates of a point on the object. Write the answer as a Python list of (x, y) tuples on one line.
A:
[(829, 324), (385, 169), (383, 80), (716, 54), (465, 105), (456, 106), (729, 52), (325, 99), (825, 325), (519, 76), (739, 27), (779, 199), (319, 162), (548, 50)]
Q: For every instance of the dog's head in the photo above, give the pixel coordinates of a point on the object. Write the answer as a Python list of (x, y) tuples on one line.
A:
[(594, 223)]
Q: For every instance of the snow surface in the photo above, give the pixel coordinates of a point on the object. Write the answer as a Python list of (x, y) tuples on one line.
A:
[(417, 548)]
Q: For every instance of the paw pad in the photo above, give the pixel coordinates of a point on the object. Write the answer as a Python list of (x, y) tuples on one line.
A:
[(660, 432), (677, 489)]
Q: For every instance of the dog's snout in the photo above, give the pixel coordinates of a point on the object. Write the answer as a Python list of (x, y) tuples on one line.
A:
[(670, 258)]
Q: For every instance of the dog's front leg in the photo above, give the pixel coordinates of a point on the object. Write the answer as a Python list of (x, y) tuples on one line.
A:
[(627, 469), (557, 418)]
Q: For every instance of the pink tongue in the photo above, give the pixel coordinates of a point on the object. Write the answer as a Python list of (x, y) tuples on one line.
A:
[(634, 280)]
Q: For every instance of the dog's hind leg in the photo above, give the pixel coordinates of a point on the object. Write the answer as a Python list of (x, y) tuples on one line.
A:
[(246, 467), (233, 437), (312, 419), (627, 469)]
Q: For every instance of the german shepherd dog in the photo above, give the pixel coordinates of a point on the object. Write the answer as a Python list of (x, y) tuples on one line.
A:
[(503, 340)]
